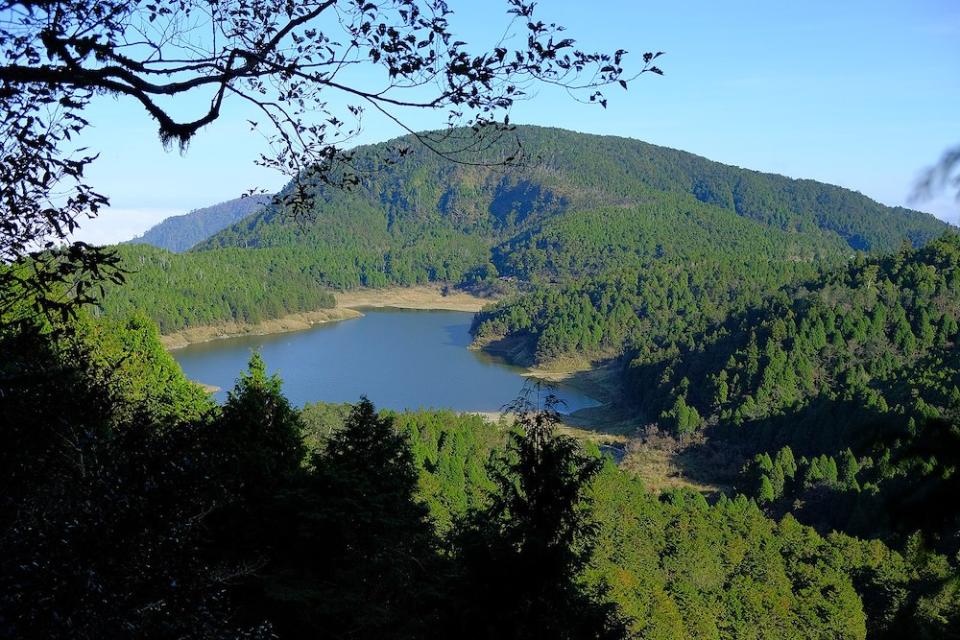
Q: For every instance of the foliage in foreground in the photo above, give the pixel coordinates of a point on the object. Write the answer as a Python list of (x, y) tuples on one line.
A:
[(128, 512)]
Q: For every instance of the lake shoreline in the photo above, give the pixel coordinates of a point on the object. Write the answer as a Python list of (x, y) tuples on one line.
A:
[(284, 324), (400, 359), (349, 306), (591, 378)]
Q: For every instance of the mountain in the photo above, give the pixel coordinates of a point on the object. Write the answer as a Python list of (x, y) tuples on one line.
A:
[(577, 208), (562, 172), (179, 233)]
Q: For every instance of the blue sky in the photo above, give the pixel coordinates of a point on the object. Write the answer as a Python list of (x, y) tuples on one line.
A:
[(860, 94)]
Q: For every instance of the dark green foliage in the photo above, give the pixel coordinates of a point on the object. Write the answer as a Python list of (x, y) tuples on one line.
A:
[(368, 472), (918, 479), (680, 568), (109, 543), (849, 467), (908, 595), (213, 288), (524, 553), (395, 528), (765, 494), (422, 194), (179, 233), (320, 421), (259, 431), (647, 312), (836, 365), (357, 557), (451, 452), (681, 419), (661, 227), (604, 208), (868, 344), (677, 567), (906, 500), (104, 479)]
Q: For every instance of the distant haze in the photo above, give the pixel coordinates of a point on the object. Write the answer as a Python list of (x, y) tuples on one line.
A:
[(115, 225), (179, 233)]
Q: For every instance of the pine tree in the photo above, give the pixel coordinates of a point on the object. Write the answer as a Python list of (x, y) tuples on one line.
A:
[(260, 431), (766, 494), (848, 469), (786, 461), (778, 481), (524, 555), (357, 557)]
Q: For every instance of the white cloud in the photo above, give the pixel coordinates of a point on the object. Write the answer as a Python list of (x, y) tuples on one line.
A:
[(116, 225)]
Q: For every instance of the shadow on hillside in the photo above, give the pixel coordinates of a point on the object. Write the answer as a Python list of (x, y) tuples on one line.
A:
[(823, 426), (662, 462), (710, 463), (514, 201), (514, 350)]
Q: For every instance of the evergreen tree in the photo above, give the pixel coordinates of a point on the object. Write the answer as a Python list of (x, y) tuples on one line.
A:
[(766, 494), (365, 561), (848, 469), (786, 462), (260, 433), (523, 556)]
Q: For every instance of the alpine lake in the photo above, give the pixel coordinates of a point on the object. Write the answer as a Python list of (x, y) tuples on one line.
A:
[(399, 359)]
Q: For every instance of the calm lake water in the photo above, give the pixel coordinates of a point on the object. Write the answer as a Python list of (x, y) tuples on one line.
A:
[(399, 359)]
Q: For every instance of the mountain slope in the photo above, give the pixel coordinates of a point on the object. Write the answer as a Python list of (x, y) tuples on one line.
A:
[(179, 233), (567, 171), (875, 339), (579, 207)]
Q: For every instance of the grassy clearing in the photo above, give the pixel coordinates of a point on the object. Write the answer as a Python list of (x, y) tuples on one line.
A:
[(661, 469), (427, 298)]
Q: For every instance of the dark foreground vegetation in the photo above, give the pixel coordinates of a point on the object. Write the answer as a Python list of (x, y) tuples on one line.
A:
[(135, 507)]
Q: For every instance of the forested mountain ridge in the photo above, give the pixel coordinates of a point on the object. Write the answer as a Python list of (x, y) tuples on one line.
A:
[(564, 170), (179, 233), (208, 288), (815, 359), (578, 208)]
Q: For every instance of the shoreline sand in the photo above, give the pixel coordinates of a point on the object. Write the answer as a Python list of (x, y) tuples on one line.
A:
[(349, 304)]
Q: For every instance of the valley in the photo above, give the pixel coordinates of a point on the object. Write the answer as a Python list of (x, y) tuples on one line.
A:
[(620, 269), (739, 352), (476, 327)]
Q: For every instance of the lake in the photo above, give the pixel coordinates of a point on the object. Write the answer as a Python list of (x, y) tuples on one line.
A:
[(400, 359)]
